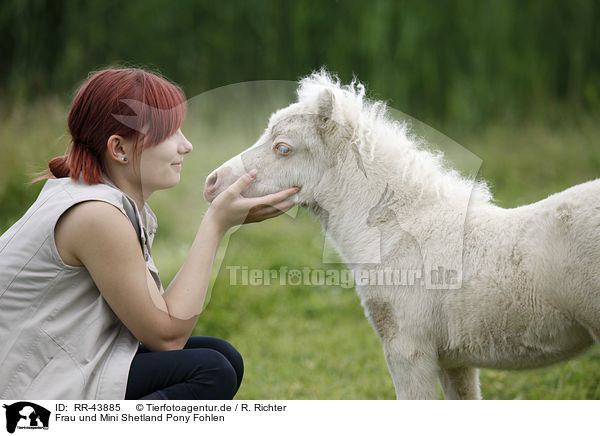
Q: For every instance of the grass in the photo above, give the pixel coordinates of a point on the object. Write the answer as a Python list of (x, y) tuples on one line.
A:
[(311, 342)]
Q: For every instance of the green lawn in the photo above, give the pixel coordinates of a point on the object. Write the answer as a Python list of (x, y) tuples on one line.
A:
[(313, 342)]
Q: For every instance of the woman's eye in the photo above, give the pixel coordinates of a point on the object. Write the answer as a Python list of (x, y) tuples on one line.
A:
[(283, 149)]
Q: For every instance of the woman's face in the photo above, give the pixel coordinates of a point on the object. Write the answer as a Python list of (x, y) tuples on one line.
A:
[(160, 165)]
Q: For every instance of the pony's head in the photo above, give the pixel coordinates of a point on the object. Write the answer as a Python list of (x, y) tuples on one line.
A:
[(302, 145)]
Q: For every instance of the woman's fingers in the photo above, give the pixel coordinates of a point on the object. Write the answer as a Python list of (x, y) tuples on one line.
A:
[(263, 212), (274, 199), (270, 199), (270, 206), (284, 206), (240, 184), (235, 208), (278, 208)]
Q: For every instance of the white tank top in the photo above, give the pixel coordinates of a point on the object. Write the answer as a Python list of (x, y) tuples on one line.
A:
[(59, 339)]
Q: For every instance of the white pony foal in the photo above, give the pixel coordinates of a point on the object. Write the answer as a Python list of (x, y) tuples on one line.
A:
[(524, 290)]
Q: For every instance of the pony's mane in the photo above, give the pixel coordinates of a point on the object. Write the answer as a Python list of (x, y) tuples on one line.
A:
[(374, 128)]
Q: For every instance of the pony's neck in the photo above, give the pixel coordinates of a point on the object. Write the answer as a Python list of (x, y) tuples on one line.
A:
[(343, 204), (411, 183), (411, 178)]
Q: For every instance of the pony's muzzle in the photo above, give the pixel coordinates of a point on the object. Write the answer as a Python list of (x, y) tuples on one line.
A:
[(222, 178), (210, 186)]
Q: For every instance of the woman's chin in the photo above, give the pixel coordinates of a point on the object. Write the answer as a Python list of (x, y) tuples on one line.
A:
[(162, 185)]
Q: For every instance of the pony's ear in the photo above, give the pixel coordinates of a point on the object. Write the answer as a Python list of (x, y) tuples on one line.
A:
[(325, 105), (332, 132), (325, 124)]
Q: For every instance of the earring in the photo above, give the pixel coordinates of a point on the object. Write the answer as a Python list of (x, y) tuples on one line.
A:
[(124, 159)]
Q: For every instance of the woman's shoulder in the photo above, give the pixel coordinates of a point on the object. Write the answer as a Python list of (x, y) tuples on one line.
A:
[(93, 211), (64, 193), (92, 217), (79, 189), (90, 222)]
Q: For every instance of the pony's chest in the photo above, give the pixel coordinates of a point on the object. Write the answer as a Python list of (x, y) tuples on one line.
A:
[(397, 312)]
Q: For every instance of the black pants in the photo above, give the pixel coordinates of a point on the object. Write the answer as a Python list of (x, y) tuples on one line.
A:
[(205, 369)]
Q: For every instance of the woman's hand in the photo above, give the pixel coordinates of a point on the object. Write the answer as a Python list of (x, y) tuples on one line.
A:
[(230, 208)]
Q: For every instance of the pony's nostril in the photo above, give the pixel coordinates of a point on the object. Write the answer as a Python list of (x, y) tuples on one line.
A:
[(211, 181)]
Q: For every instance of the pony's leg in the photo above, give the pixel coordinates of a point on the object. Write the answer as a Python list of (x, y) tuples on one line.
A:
[(413, 371), (409, 353), (593, 328), (588, 314), (460, 383), (583, 299)]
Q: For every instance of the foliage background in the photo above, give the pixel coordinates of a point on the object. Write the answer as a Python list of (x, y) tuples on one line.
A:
[(517, 83), (466, 59)]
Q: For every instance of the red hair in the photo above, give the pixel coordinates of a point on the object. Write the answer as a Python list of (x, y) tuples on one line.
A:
[(123, 102)]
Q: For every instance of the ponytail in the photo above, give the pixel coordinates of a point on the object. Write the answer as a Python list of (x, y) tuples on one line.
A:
[(59, 166), (79, 161), (82, 161)]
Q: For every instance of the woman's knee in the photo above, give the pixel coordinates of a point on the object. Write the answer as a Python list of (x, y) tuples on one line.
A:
[(223, 347), (223, 374), (234, 357)]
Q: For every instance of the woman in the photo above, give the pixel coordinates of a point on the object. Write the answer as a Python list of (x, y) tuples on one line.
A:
[(78, 288)]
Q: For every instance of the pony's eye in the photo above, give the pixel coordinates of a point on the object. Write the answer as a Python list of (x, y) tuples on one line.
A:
[(283, 149)]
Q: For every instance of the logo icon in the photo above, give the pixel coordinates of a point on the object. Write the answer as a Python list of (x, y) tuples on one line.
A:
[(26, 415)]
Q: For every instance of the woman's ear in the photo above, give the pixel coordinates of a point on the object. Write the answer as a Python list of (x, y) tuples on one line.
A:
[(118, 149)]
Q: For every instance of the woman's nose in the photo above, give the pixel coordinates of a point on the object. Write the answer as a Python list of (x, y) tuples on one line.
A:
[(185, 146)]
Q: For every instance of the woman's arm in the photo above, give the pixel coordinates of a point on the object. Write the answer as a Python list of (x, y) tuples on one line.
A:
[(97, 235)]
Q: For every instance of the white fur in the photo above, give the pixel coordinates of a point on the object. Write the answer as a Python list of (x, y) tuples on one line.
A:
[(530, 293)]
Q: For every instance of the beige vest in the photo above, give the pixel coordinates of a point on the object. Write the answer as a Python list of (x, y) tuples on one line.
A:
[(59, 339)]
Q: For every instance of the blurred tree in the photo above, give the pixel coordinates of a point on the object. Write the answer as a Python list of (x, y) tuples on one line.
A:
[(462, 60)]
